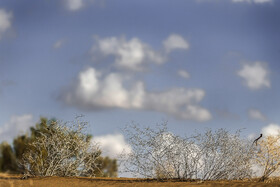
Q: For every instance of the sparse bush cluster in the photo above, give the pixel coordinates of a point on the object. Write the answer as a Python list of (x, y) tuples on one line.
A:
[(61, 150), (208, 156), (55, 148)]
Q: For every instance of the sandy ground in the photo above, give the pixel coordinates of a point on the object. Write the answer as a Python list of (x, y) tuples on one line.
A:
[(16, 181)]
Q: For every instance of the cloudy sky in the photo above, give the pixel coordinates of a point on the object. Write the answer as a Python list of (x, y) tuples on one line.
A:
[(195, 63)]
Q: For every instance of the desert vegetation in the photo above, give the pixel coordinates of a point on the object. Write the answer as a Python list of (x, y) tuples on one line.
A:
[(56, 148), (210, 155), (268, 156), (217, 155)]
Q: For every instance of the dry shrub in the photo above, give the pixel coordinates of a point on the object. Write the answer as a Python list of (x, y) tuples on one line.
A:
[(157, 153), (268, 155), (61, 149)]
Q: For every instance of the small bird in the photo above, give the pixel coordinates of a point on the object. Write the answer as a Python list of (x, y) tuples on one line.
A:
[(256, 140)]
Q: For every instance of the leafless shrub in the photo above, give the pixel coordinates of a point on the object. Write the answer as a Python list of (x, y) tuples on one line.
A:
[(268, 156), (158, 153), (61, 149), (224, 155)]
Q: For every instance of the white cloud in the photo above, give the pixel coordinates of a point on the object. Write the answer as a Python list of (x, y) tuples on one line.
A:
[(179, 102), (255, 75), (271, 130), (58, 44), (74, 5), (113, 145), (175, 41), (253, 1), (93, 91), (183, 74), (256, 114), (17, 125), (5, 21), (130, 54), (134, 54)]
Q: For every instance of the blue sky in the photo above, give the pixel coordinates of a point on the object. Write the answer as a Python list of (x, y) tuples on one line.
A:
[(195, 63)]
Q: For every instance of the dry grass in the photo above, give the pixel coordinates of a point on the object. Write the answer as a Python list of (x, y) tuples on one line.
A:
[(7, 180)]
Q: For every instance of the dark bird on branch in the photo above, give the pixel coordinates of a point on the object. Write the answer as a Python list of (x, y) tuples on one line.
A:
[(256, 140)]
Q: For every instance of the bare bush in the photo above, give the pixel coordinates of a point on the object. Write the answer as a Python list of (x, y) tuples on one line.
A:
[(224, 155), (158, 153), (268, 156), (61, 149)]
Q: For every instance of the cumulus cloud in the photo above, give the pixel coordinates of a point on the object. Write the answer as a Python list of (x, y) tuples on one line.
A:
[(256, 114), (183, 74), (255, 75), (74, 5), (130, 54), (179, 102), (253, 1), (271, 130), (17, 125), (94, 90), (134, 54), (112, 145), (175, 41), (5, 21)]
